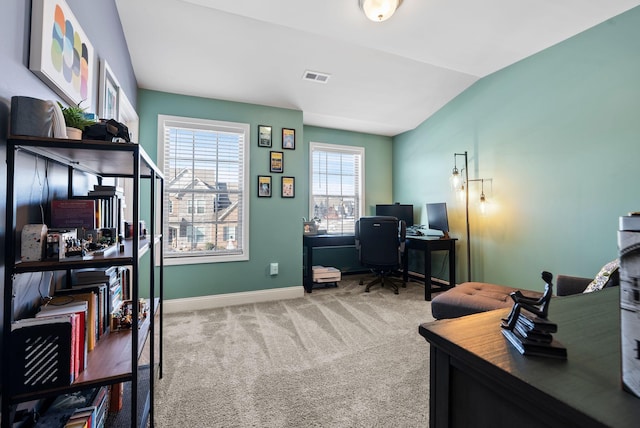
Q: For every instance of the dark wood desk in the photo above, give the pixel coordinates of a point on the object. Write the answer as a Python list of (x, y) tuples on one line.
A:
[(309, 242), (427, 245), (478, 379)]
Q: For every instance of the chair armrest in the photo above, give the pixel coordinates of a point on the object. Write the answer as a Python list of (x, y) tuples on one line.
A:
[(567, 285)]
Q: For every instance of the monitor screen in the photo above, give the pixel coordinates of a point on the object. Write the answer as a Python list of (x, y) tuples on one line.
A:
[(400, 211), (437, 217)]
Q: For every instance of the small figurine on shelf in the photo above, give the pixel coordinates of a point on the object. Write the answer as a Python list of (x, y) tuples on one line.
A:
[(538, 306)]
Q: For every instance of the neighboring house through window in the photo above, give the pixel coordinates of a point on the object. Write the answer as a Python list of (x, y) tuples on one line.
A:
[(205, 164), (337, 186)]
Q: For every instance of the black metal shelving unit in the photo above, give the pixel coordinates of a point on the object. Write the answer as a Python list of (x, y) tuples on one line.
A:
[(116, 357)]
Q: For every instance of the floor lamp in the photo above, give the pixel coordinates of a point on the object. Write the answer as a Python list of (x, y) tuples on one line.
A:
[(455, 176)]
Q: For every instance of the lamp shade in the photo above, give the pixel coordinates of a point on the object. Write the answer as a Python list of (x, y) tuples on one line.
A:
[(379, 10)]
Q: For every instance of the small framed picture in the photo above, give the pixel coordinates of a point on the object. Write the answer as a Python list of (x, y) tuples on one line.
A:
[(288, 138), (288, 187), (276, 162), (264, 136), (264, 186), (310, 228)]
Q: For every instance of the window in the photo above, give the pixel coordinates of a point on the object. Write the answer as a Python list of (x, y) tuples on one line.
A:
[(337, 186), (199, 206), (205, 165)]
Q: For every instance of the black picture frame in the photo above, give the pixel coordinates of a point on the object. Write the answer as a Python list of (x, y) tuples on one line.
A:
[(265, 135), (264, 186), (288, 139), (276, 162), (288, 187)]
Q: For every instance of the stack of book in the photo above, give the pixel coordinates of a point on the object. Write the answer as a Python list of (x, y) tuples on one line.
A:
[(533, 335), (325, 274), (46, 352), (85, 408)]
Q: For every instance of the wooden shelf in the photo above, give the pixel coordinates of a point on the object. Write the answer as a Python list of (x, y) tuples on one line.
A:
[(114, 258), (108, 363), (89, 156)]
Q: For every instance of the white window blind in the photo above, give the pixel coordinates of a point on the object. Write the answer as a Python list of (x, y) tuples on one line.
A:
[(205, 166), (337, 186)]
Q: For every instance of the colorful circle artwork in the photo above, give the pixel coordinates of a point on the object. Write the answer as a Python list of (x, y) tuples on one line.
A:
[(69, 54)]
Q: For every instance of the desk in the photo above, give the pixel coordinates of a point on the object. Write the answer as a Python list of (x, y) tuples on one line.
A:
[(478, 379), (309, 242), (428, 244), (421, 243)]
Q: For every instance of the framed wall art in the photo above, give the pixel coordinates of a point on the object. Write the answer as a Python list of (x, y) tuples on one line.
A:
[(264, 186), (288, 187), (288, 138), (276, 162), (264, 135), (109, 94), (61, 55)]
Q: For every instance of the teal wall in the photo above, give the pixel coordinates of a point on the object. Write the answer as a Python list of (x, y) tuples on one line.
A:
[(378, 153), (275, 223), (559, 134), (377, 167)]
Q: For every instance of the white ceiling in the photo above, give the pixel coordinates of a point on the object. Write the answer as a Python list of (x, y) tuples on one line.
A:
[(386, 78)]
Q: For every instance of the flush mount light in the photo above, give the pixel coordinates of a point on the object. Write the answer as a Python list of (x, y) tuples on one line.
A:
[(379, 10)]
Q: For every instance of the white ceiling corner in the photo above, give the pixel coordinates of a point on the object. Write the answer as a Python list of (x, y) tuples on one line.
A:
[(386, 78)]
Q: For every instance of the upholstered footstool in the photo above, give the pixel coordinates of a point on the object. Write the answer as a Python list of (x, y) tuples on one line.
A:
[(473, 297)]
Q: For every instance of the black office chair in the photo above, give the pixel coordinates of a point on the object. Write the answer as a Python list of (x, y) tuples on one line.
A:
[(380, 242)]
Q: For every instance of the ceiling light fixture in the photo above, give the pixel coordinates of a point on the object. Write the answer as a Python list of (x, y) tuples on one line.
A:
[(379, 10)]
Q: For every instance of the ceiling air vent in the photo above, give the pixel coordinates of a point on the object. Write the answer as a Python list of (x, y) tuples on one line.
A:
[(316, 76)]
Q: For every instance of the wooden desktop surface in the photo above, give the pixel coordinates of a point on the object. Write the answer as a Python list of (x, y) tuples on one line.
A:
[(472, 362)]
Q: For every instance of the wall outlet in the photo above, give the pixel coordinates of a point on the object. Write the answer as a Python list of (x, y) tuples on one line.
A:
[(273, 269)]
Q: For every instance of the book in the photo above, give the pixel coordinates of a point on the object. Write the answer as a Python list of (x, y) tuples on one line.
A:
[(529, 347), (534, 322), (329, 279), (527, 333), (47, 348), (103, 302), (73, 213), (41, 353), (83, 417), (68, 307), (92, 321), (68, 406)]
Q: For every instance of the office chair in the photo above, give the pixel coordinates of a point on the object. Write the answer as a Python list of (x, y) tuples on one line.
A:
[(380, 242)]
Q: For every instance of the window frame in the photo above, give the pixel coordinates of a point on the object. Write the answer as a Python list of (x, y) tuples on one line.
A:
[(211, 124), (338, 148)]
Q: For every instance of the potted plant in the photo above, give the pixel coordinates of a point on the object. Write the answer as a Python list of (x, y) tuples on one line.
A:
[(75, 120)]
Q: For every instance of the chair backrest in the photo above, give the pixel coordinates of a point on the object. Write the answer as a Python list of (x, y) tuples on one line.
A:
[(380, 241)]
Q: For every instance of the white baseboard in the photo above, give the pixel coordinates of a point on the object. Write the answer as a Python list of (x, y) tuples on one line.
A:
[(231, 299)]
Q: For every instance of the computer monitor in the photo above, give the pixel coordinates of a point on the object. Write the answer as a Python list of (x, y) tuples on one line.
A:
[(437, 217), (400, 211)]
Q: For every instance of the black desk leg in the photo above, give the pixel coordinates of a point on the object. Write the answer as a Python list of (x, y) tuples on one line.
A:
[(308, 272), (427, 275), (452, 265)]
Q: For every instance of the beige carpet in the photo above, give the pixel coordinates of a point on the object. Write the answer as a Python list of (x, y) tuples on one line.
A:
[(337, 357)]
